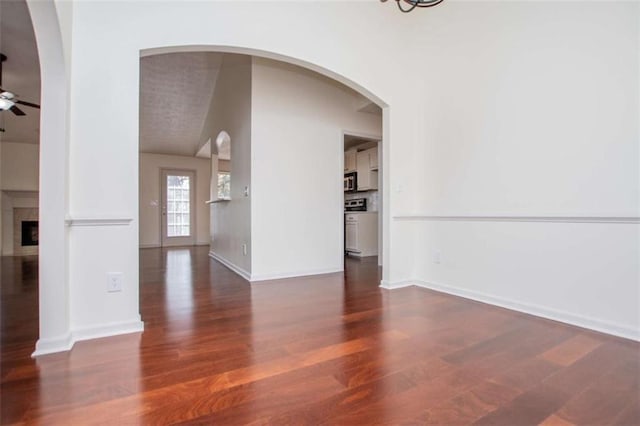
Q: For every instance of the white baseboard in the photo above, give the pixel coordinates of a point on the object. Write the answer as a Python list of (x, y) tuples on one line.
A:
[(238, 270), (275, 276), (392, 285), (143, 246), (50, 346), (590, 323), (295, 274), (107, 330), (65, 343)]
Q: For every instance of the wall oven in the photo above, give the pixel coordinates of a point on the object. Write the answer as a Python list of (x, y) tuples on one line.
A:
[(350, 182)]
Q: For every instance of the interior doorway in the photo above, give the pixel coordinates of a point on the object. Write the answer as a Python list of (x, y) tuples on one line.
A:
[(178, 213), (363, 197)]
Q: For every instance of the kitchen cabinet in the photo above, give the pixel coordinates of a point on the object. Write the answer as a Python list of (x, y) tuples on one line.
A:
[(350, 161), (361, 233), (351, 236), (367, 178), (373, 158)]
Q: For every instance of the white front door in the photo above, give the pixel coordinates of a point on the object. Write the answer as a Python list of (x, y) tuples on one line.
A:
[(178, 209)]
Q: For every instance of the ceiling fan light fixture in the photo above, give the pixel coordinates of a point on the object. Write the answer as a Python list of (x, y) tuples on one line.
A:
[(8, 100), (6, 104), (412, 4)]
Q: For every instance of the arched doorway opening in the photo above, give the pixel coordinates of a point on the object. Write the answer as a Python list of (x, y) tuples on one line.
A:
[(244, 253), (56, 329)]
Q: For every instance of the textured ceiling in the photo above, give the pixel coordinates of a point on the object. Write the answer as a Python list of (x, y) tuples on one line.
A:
[(175, 95), (21, 71)]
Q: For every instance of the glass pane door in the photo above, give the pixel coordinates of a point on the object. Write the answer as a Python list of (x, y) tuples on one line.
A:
[(178, 206)]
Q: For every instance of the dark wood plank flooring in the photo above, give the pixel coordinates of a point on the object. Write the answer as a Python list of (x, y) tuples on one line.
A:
[(331, 349)]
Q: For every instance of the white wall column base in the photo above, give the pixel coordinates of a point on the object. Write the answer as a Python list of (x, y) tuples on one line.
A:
[(590, 323), (57, 344), (238, 270), (65, 343)]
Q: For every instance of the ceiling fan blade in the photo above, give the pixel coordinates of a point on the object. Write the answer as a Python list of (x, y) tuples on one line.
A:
[(17, 111), (2, 59), (29, 104)]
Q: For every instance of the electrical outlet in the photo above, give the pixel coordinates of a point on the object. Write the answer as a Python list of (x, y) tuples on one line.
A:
[(244, 249), (246, 192), (437, 256), (114, 282)]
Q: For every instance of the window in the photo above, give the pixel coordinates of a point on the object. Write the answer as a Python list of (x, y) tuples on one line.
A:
[(224, 185)]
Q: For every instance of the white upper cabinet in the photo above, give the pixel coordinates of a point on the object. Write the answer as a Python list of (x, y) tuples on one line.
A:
[(367, 178), (350, 161), (373, 158)]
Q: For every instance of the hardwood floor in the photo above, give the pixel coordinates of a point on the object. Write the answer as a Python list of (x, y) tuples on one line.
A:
[(331, 349)]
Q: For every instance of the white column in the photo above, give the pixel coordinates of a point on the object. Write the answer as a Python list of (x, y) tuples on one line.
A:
[(55, 333)]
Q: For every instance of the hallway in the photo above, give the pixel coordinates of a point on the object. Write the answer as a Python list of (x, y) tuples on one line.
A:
[(331, 349)]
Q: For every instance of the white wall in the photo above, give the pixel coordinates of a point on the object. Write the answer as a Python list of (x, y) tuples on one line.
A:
[(151, 166), (298, 119), (19, 166), (454, 102), (582, 273), (231, 111), (546, 125)]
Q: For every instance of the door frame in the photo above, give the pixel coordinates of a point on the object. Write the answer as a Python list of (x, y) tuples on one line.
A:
[(166, 241)]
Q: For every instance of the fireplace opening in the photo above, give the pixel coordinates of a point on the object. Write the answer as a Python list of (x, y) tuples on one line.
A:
[(29, 233)]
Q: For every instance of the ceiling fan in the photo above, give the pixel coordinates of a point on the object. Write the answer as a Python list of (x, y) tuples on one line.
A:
[(8, 100)]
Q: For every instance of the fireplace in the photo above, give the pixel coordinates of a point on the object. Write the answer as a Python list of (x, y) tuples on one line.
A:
[(25, 231), (29, 233)]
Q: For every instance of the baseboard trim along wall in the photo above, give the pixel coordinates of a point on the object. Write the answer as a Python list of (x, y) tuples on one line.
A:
[(296, 274), (238, 270), (144, 246), (154, 245), (539, 311), (107, 330), (66, 342), (254, 278)]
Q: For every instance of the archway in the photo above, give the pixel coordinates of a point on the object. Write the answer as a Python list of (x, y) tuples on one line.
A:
[(56, 332), (326, 72)]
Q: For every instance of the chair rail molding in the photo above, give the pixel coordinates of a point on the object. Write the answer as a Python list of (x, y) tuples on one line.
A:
[(515, 218), (86, 220)]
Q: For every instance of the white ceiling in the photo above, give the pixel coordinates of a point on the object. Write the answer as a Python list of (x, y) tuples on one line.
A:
[(21, 71), (351, 141), (175, 94)]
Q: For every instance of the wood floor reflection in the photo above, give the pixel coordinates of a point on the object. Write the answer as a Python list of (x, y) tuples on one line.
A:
[(331, 349)]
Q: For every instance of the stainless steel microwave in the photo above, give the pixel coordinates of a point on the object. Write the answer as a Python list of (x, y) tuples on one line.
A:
[(350, 182)]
